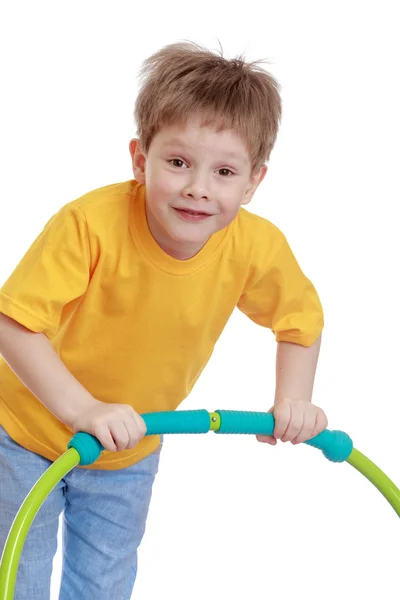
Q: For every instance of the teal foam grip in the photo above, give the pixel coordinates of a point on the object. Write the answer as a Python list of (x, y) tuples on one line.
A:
[(182, 421), (235, 421), (336, 446), (177, 421), (87, 446)]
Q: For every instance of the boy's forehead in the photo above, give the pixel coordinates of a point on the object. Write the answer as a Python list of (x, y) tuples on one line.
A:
[(190, 135)]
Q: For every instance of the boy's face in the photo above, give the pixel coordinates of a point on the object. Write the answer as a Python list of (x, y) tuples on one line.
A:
[(196, 181)]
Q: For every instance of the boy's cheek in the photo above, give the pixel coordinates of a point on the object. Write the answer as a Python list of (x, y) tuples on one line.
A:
[(163, 188)]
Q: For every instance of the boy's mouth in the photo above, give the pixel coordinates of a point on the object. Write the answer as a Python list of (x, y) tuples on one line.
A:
[(193, 212), (192, 215)]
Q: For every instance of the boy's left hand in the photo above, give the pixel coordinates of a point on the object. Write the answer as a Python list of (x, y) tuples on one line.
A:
[(295, 421)]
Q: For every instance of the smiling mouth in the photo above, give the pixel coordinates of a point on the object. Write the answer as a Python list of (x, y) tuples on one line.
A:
[(195, 213)]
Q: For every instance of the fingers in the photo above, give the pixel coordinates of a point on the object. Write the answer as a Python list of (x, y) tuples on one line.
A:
[(321, 423), (297, 421), (306, 432), (102, 433), (136, 428), (296, 424), (314, 423), (282, 415), (266, 439), (120, 434), (121, 429), (114, 436), (141, 425)]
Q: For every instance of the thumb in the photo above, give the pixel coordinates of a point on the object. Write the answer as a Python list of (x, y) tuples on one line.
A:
[(266, 439)]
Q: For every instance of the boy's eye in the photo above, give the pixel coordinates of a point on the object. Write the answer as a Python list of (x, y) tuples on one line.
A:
[(177, 162), (173, 161)]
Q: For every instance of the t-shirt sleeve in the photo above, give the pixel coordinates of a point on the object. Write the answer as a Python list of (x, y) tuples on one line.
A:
[(279, 296), (54, 272)]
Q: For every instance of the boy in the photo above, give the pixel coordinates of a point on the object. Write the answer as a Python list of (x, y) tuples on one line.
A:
[(116, 307)]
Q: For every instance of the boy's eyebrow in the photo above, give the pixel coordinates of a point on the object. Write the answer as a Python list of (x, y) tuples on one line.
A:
[(181, 143), (174, 142)]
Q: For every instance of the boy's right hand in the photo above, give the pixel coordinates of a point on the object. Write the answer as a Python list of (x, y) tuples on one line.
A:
[(116, 426)]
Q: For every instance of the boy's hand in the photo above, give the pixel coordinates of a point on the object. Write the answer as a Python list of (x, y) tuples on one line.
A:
[(116, 426), (295, 421)]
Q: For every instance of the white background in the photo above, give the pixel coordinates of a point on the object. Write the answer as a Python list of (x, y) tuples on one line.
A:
[(232, 518)]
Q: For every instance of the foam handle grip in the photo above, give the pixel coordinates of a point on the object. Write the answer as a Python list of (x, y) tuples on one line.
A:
[(183, 421), (336, 446), (177, 421)]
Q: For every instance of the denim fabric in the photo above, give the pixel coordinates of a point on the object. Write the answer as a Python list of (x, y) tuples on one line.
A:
[(103, 524)]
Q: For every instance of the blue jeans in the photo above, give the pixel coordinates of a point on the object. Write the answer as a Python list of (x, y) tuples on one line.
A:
[(104, 521)]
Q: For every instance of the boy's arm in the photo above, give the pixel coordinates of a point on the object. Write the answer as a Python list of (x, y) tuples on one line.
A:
[(32, 358), (295, 370), (296, 419), (35, 362)]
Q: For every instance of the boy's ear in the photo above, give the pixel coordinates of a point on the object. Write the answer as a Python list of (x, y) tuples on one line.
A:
[(254, 182), (138, 160)]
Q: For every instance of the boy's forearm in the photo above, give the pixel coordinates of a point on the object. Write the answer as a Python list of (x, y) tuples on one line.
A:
[(33, 359), (295, 370)]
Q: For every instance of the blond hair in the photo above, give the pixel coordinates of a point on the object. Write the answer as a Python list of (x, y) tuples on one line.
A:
[(184, 79)]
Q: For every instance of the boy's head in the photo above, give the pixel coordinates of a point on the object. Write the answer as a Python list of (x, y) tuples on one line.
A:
[(206, 126)]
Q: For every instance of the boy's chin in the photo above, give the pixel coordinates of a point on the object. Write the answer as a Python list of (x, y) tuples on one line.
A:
[(188, 245)]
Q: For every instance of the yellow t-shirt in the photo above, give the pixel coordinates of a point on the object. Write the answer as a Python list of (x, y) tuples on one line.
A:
[(133, 324)]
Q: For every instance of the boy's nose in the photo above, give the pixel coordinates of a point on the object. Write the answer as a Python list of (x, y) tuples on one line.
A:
[(196, 195), (196, 190)]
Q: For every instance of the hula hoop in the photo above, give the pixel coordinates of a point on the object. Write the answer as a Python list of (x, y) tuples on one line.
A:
[(85, 449)]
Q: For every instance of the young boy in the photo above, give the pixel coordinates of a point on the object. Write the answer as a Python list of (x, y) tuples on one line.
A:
[(116, 307)]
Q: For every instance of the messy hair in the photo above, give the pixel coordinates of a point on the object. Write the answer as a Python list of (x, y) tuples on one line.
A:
[(184, 79)]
